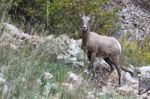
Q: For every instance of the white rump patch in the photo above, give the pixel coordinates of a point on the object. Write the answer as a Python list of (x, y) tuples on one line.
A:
[(119, 45)]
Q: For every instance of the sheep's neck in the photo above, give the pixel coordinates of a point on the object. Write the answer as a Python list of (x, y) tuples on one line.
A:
[(85, 36)]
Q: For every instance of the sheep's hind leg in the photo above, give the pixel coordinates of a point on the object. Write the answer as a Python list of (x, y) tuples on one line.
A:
[(109, 62), (115, 61)]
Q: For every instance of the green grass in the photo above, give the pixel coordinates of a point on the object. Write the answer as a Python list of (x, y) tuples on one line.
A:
[(24, 67), (135, 52), (115, 95)]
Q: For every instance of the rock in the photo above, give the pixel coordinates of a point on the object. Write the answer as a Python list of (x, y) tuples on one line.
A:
[(103, 65), (47, 89), (11, 29), (56, 96), (61, 48), (2, 79), (90, 95), (49, 37), (48, 76), (14, 38), (72, 54), (105, 89), (9, 32), (145, 71), (126, 1), (79, 41), (113, 78), (133, 20), (130, 79), (12, 46), (3, 69), (144, 96), (73, 48), (55, 86), (126, 90), (68, 86), (5, 89), (124, 10), (38, 81), (74, 79)]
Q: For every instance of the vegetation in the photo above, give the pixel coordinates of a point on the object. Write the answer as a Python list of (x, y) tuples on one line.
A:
[(25, 72), (136, 53), (26, 66), (59, 16)]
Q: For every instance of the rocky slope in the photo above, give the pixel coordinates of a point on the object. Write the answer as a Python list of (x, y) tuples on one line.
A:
[(62, 48), (134, 23), (135, 19)]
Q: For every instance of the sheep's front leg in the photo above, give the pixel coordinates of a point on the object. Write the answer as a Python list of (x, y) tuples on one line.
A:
[(92, 60), (89, 58)]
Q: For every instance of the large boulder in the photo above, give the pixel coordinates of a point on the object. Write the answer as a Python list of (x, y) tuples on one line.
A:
[(145, 71), (14, 38), (60, 48)]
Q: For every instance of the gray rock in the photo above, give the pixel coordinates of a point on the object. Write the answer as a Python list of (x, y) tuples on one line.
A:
[(134, 20), (48, 76), (61, 48), (5, 89), (145, 71), (74, 79), (47, 89), (2, 79)]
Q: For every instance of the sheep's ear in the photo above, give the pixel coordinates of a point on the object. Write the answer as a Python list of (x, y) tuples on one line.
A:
[(81, 14), (92, 16), (89, 15)]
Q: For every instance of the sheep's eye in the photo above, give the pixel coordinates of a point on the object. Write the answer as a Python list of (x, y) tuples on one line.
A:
[(89, 21)]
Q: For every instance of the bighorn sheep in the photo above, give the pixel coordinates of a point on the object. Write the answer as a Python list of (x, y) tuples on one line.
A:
[(100, 46)]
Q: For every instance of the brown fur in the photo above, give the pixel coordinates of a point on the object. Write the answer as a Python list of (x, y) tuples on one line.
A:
[(100, 46), (103, 46)]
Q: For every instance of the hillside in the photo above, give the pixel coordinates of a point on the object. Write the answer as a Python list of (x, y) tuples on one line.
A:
[(41, 55)]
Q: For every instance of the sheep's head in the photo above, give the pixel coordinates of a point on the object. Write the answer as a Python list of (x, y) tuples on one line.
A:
[(85, 22)]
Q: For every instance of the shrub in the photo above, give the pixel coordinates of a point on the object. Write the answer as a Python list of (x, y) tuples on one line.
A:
[(136, 52), (61, 16)]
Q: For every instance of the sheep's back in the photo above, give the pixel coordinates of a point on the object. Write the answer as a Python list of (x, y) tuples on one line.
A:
[(103, 44)]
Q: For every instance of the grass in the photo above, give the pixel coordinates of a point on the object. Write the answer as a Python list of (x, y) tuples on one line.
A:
[(27, 65), (24, 67), (135, 52), (115, 95)]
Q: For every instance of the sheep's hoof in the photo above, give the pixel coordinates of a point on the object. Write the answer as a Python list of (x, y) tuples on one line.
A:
[(118, 85), (92, 78)]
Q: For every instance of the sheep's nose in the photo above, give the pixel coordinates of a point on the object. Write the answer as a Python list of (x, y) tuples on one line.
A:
[(84, 27)]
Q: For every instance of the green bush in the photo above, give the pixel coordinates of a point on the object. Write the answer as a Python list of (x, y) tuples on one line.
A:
[(136, 52), (61, 16)]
